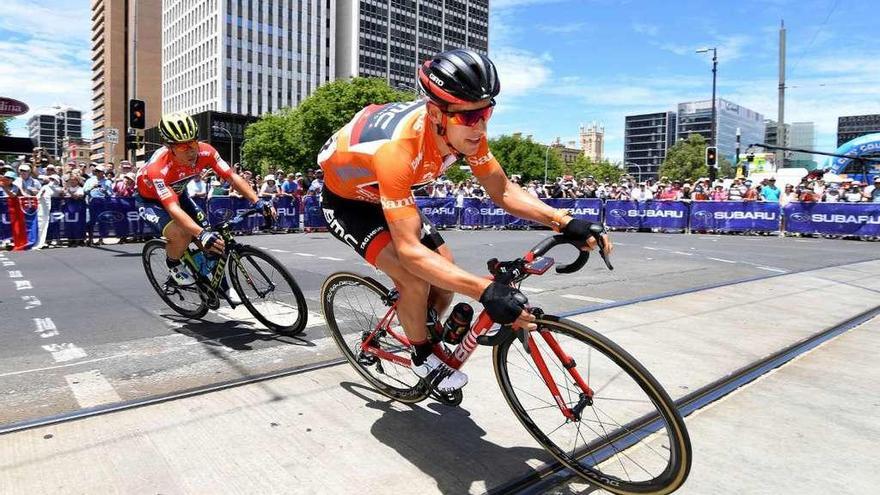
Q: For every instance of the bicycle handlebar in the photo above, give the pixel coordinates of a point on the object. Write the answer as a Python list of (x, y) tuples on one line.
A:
[(267, 223), (557, 240)]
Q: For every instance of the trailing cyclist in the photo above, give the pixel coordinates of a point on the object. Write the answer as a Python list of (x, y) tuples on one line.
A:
[(371, 167), (162, 198)]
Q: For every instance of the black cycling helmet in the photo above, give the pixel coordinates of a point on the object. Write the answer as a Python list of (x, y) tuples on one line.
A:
[(459, 76)]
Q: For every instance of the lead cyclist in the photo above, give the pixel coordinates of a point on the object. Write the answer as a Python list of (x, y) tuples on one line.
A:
[(370, 168)]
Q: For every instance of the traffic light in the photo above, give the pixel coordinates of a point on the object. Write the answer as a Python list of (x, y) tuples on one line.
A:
[(711, 156), (137, 114), (133, 141)]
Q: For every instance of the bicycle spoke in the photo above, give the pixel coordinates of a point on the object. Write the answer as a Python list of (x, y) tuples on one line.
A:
[(631, 432)]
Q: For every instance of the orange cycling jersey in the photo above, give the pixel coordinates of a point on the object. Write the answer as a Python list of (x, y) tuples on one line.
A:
[(385, 152), (163, 178)]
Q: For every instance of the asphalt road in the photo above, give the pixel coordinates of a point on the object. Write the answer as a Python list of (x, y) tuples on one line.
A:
[(80, 327)]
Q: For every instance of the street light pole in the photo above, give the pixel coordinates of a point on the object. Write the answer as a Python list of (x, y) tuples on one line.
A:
[(712, 139), (231, 143), (546, 155), (639, 179)]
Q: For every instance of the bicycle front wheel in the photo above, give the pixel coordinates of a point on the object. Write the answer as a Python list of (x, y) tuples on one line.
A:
[(184, 300), (268, 290), (627, 438), (357, 308)]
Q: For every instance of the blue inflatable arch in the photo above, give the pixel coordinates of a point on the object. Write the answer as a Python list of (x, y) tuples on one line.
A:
[(868, 144)]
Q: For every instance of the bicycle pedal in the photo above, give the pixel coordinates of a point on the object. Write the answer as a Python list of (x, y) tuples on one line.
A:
[(365, 359)]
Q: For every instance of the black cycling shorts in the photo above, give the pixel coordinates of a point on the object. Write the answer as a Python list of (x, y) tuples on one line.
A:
[(155, 214), (362, 225)]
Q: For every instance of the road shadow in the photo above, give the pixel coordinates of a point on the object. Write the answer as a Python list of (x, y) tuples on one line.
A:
[(119, 252), (237, 335), (445, 443)]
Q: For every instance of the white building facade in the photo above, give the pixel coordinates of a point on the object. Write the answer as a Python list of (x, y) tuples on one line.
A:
[(248, 57)]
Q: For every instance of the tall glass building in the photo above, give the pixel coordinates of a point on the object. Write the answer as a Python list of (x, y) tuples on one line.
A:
[(391, 38), (696, 118)]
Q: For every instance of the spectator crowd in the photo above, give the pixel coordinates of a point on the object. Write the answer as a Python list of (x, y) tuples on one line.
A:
[(810, 189), (83, 180)]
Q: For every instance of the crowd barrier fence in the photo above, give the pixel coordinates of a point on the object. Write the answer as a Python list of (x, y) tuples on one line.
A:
[(71, 219)]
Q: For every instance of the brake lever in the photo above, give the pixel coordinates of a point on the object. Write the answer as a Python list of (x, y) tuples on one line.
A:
[(600, 244)]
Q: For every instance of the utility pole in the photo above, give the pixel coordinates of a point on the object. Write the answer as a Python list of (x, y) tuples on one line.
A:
[(780, 133), (134, 27)]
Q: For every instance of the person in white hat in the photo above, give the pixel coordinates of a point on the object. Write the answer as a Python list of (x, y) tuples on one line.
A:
[(25, 182), (269, 187), (98, 185)]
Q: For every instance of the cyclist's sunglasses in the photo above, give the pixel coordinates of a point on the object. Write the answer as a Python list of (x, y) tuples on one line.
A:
[(471, 118), (185, 146)]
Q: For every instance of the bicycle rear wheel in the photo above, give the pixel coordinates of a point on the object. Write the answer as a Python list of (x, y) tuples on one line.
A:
[(354, 307), (268, 290), (629, 438), (185, 300)]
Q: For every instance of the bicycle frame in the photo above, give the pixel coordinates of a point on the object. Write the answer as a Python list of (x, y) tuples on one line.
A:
[(468, 345)]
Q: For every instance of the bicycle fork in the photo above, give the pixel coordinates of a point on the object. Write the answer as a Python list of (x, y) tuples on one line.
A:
[(585, 398)]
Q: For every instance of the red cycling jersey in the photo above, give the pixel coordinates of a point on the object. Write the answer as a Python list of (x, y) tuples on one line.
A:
[(163, 178)]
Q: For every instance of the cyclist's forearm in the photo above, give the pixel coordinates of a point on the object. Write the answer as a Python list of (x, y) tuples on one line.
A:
[(520, 203), (245, 189), (440, 272)]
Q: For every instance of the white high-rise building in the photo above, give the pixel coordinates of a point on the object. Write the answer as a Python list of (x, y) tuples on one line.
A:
[(390, 38), (247, 57), (48, 127)]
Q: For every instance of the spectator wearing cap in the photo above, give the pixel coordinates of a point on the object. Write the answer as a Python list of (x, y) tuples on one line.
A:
[(98, 186), (27, 184), (7, 184), (788, 195), (642, 193), (290, 187), (52, 188), (853, 194), (751, 193), (718, 193), (832, 194), (125, 167), (125, 187), (686, 193), (872, 192), (317, 184), (737, 191), (269, 188), (770, 192)]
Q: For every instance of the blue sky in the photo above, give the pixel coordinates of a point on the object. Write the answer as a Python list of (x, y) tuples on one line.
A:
[(566, 62)]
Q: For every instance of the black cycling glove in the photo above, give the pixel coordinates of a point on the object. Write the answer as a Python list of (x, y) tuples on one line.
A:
[(503, 303), (264, 206), (208, 239), (581, 230)]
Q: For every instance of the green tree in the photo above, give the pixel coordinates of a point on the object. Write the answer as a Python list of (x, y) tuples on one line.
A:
[(293, 137), (456, 174), (686, 160), (584, 167), (4, 128), (525, 157)]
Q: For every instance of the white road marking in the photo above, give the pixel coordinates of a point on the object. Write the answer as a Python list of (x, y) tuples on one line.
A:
[(722, 260), (683, 253), (331, 258), (587, 298), (15, 274), (279, 251), (532, 290), (305, 254), (65, 352), (651, 248), (78, 363), (23, 285), (8, 263), (31, 302), (771, 269), (45, 327), (91, 389)]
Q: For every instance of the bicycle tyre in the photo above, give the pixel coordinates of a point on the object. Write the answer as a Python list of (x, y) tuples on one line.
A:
[(146, 254), (329, 291), (235, 269), (678, 468)]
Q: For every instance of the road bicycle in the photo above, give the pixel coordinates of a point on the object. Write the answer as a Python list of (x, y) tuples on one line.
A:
[(265, 287), (588, 402)]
